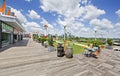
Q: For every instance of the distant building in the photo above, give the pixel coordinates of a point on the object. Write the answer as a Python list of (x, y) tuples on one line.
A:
[(116, 42)]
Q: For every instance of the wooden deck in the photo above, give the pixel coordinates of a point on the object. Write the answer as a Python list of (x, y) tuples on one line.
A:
[(35, 60)]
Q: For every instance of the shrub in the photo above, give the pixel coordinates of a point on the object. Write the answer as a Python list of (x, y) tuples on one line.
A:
[(95, 43), (109, 41), (40, 39), (89, 42), (43, 39), (50, 41), (35, 36)]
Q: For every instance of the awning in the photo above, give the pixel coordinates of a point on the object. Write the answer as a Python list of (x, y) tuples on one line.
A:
[(13, 21)]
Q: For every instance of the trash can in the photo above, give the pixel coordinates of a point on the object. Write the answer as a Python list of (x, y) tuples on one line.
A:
[(69, 52), (60, 50), (42, 43)]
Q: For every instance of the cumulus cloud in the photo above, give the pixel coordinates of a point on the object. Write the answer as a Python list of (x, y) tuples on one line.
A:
[(72, 8), (51, 29), (29, 26), (72, 13), (45, 22), (92, 12), (118, 12), (84, 1), (39, 30), (19, 15), (33, 27), (105, 28), (33, 24), (117, 24), (33, 15), (101, 24), (68, 8), (75, 27), (28, 0)]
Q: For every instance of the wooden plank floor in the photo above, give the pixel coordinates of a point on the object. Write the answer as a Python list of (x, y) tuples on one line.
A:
[(34, 60)]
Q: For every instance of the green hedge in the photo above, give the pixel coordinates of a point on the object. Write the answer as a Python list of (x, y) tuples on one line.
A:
[(109, 41)]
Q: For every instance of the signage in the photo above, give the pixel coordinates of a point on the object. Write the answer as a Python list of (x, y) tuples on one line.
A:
[(7, 28), (15, 31)]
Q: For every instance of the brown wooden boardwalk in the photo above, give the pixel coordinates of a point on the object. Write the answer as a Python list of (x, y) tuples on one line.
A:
[(34, 60)]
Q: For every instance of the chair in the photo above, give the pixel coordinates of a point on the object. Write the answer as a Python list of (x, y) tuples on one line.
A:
[(95, 52), (92, 52), (87, 52)]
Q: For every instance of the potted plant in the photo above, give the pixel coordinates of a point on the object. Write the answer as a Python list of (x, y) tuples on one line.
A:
[(43, 40), (96, 44), (35, 37), (69, 52), (46, 43), (50, 42), (110, 43), (39, 39)]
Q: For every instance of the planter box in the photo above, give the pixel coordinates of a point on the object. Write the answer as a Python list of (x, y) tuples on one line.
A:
[(69, 52), (45, 46), (51, 48), (42, 43)]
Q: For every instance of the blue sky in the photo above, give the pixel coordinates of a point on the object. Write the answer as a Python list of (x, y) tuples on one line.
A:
[(82, 17)]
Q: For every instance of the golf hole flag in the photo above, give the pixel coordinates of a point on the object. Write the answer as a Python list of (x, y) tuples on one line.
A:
[(2, 6)]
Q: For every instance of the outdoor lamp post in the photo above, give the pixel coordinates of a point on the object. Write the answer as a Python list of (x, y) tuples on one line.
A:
[(107, 37), (95, 34), (64, 38)]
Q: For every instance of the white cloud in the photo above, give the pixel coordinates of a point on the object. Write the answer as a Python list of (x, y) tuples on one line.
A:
[(19, 15), (84, 1), (101, 24), (75, 27), (118, 12), (28, 0), (33, 27), (33, 15), (72, 13), (33, 24), (105, 28), (45, 22), (70, 8), (116, 30), (39, 30), (92, 12), (29, 26), (117, 24)]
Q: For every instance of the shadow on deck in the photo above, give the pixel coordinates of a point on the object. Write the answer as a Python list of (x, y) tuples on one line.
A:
[(21, 43)]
